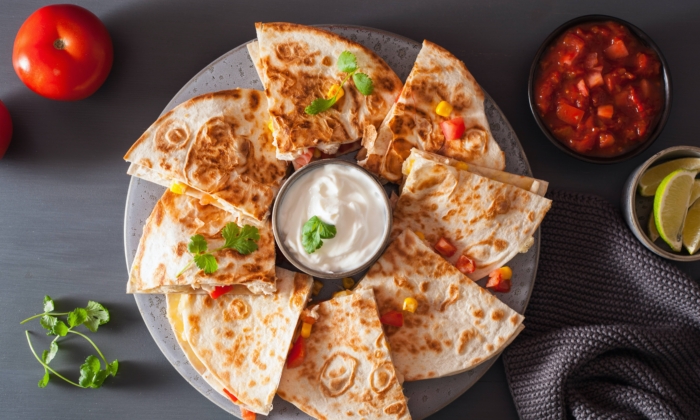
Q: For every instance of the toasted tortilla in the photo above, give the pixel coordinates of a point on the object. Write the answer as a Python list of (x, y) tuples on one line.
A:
[(457, 326), (437, 76), (162, 252), (297, 64), (216, 144), (486, 220), (347, 370), (241, 340)]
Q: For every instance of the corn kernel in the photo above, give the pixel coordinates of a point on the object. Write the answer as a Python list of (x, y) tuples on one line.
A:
[(332, 91), (178, 188), (506, 272), (317, 153), (270, 125), (443, 109), (316, 287), (348, 283), (462, 166), (306, 330), (341, 293), (206, 200), (420, 235), (410, 304), (407, 166)]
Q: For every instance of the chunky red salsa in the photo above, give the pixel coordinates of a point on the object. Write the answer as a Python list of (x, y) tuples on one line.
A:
[(599, 89)]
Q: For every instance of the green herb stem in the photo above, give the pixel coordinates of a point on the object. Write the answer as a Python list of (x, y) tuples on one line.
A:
[(189, 264), (45, 313), (93, 345), (47, 367)]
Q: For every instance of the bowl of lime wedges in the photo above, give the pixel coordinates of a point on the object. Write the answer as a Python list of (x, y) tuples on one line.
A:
[(661, 203)]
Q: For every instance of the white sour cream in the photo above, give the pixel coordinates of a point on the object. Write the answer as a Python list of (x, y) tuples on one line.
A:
[(339, 195)]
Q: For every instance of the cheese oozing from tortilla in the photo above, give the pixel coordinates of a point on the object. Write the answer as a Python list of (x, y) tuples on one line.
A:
[(339, 195)]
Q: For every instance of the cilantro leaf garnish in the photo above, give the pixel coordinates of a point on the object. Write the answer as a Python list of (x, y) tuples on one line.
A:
[(243, 240), (94, 314), (347, 63), (313, 231)]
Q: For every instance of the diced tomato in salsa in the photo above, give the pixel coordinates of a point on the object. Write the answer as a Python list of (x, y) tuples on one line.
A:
[(453, 129), (220, 290), (445, 248), (465, 264), (498, 283), (296, 354), (599, 78), (392, 318), (303, 159)]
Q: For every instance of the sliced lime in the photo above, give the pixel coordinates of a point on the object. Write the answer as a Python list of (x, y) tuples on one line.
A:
[(694, 193), (651, 179), (671, 206), (691, 229), (653, 232)]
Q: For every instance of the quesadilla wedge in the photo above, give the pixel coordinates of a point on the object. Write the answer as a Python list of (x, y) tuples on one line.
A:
[(438, 78), (241, 340), (484, 221), (347, 369), (216, 147), (163, 251), (457, 324), (299, 64)]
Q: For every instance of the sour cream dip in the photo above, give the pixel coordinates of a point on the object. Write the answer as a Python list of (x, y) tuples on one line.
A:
[(342, 194)]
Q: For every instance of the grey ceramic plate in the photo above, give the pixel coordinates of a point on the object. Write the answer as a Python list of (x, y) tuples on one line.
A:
[(235, 69)]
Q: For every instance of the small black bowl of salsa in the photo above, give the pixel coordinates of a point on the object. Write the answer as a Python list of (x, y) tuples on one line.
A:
[(600, 89)]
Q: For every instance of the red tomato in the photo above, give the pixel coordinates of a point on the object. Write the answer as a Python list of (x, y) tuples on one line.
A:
[(606, 140), (392, 318), (453, 129), (303, 159), (465, 264), (63, 52), (498, 283), (617, 49), (220, 290), (5, 129), (445, 248), (606, 111), (569, 114), (231, 396), (247, 415), (296, 354)]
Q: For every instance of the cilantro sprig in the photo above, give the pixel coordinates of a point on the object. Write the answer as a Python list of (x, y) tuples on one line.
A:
[(244, 240), (91, 316), (347, 63), (313, 231)]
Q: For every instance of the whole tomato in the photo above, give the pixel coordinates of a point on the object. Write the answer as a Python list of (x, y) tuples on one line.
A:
[(5, 129), (63, 52)]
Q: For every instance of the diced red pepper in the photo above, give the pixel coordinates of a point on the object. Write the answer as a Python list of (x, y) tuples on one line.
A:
[(303, 159), (498, 283), (392, 318), (606, 140), (296, 354), (617, 49), (453, 129), (247, 414), (220, 290), (445, 248), (231, 396), (594, 79), (465, 264), (606, 111), (569, 114)]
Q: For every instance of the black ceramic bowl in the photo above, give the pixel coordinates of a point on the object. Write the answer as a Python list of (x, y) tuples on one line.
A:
[(646, 40)]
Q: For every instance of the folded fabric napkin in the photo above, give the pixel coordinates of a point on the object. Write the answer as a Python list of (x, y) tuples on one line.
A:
[(612, 330)]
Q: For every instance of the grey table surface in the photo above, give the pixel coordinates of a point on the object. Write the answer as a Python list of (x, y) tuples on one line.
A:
[(63, 182)]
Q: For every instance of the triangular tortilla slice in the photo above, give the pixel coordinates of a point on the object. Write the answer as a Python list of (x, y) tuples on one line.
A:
[(457, 325), (487, 221), (163, 253), (347, 370), (437, 76), (297, 64), (218, 145), (241, 340)]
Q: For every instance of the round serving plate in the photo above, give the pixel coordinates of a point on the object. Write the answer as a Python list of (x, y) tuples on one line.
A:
[(235, 69)]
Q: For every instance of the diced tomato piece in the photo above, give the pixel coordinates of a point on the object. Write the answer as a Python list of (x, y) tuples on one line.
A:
[(247, 414), (581, 85), (453, 129), (575, 42), (588, 135), (392, 318), (498, 283), (617, 49), (303, 159), (636, 100), (591, 60), (567, 57), (569, 114), (545, 89), (220, 290), (465, 264), (296, 354), (594, 79), (445, 248), (646, 88), (641, 127), (606, 140), (231, 396), (610, 82), (642, 61), (606, 111)]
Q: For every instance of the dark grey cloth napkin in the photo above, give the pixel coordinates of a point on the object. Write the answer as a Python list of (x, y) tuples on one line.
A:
[(611, 331)]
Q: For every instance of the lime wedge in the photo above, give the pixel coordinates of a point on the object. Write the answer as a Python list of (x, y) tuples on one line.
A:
[(653, 177), (671, 206), (653, 232), (691, 229), (694, 193)]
